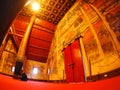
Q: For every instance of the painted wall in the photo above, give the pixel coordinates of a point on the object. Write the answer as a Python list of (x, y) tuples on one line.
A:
[(99, 25), (41, 75), (7, 60)]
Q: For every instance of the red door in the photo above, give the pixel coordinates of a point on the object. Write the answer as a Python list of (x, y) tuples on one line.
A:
[(73, 63), (68, 65)]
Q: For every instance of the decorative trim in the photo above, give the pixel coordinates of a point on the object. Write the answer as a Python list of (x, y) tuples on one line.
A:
[(105, 75)]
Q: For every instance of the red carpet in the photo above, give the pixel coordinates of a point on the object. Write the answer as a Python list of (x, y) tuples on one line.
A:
[(8, 83)]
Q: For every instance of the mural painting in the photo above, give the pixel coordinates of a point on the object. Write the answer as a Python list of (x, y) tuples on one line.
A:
[(90, 46), (104, 37), (114, 22)]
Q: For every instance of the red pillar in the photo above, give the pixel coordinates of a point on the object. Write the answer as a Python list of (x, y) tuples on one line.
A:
[(22, 47)]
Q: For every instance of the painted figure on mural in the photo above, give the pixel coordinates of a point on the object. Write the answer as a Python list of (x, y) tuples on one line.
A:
[(114, 22)]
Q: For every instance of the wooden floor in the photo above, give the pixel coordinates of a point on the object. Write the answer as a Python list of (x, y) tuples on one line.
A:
[(8, 83)]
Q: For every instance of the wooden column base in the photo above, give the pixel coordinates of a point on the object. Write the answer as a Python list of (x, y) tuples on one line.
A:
[(18, 68)]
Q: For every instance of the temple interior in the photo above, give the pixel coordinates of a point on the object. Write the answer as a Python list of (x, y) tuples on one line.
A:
[(64, 41)]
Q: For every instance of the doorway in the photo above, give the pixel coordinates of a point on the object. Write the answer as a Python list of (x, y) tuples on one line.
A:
[(73, 63)]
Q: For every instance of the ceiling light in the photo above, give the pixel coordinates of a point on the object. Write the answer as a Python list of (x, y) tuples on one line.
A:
[(35, 6)]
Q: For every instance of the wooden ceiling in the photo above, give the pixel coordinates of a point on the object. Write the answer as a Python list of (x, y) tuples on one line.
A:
[(47, 18), (50, 10)]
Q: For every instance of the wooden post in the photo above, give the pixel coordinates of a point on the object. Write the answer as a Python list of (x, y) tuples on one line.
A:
[(22, 47)]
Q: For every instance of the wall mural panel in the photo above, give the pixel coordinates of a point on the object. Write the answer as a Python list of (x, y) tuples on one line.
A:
[(104, 37), (74, 24), (8, 58), (90, 46), (113, 19)]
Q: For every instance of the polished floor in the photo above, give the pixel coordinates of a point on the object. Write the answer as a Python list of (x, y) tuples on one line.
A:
[(8, 83)]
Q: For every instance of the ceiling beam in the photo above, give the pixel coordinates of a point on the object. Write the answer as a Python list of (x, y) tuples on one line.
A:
[(39, 27), (15, 34), (41, 39), (9, 51), (30, 36), (38, 55), (39, 47)]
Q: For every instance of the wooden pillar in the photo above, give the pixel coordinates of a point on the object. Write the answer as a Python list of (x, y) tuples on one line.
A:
[(86, 63), (22, 47)]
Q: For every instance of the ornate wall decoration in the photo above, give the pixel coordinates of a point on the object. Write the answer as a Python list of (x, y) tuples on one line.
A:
[(113, 18)]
